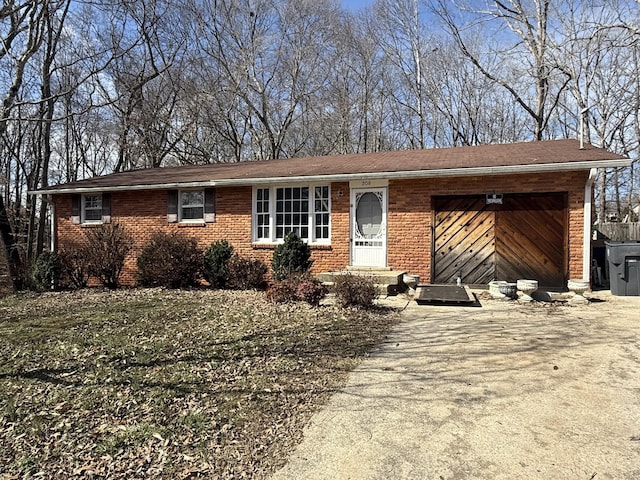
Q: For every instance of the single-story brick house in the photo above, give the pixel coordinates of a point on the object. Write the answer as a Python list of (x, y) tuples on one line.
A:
[(504, 212)]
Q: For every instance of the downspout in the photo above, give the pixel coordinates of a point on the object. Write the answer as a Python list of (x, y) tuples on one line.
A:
[(52, 212), (586, 237)]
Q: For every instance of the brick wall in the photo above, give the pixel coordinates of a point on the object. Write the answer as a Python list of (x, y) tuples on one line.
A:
[(409, 220), (144, 212), (410, 215)]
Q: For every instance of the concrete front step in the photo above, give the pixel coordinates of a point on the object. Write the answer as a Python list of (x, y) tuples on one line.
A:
[(388, 282)]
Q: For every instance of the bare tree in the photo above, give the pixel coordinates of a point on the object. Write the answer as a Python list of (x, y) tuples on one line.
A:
[(526, 53), (405, 44), (270, 55)]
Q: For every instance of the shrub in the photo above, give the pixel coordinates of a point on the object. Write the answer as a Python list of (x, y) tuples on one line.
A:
[(107, 248), (75, 266), (310, 290), (303, 288), (292, 256), (215, 263), (246, 273), (355, 290), (284, 291), (170, 260), (46, 271)]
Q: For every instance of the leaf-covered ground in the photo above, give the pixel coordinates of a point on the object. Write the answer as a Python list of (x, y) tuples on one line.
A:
[(166, 384)]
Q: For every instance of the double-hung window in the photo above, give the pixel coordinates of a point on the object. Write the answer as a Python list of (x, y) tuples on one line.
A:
[(92, 208), (192, 205), (304, 210)]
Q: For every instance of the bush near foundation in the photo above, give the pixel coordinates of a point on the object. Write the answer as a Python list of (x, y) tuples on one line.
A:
[(74, 266), (215, 263), (107, 248), (170, 260), (297, 288), (291, 257), (45, 273), (245, 273), (355, 291)]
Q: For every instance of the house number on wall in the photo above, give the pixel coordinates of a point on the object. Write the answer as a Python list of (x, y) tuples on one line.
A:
[(494, 199), (369, 183)]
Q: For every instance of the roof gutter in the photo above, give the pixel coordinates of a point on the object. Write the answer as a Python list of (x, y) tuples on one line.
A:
[(345, 177)]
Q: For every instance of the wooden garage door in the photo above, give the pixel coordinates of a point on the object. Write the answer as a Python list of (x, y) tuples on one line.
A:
[(525, 237)]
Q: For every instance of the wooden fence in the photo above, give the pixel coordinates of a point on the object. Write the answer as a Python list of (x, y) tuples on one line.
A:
[(620, 231)]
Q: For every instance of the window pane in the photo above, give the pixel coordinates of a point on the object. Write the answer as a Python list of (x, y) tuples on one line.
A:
[(321, 210), (93, 214), (193, 198), (192, 213), (93, 201)]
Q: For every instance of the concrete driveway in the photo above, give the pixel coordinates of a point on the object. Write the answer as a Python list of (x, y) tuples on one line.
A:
[(502, 391)]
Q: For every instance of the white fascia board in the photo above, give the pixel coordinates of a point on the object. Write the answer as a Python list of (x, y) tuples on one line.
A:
[(439, 173)]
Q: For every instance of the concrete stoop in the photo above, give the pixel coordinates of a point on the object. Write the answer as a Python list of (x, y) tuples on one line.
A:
[(388, 281)]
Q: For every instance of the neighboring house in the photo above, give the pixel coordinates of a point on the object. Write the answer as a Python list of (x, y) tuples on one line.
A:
[(502, 212)]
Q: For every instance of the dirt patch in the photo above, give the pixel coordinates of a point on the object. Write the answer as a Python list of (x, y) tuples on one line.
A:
[(537, 391)]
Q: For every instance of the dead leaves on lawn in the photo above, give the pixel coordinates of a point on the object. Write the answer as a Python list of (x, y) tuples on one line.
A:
[(166, 384)]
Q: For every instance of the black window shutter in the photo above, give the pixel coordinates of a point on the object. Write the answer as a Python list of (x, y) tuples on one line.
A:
[(106, 208), (209, 205), (172, 206), (75, 208)]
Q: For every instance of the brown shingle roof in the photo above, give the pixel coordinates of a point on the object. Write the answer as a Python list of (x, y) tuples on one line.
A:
[(457, 161)]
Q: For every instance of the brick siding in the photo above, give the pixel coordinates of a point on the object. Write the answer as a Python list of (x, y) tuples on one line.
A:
[(409, 219)]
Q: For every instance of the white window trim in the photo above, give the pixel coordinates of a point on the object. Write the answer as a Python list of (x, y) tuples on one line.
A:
[(272, 214), (180, 206), (83, 209)]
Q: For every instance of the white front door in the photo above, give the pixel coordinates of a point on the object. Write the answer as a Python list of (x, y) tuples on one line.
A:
[(369, 227)]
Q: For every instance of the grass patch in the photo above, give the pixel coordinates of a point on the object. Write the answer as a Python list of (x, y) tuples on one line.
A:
[(167, 384)]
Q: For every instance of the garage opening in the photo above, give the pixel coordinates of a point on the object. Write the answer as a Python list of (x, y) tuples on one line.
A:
[(524, 237)]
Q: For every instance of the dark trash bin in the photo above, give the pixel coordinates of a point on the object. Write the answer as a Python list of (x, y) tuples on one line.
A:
[(624, 267)]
